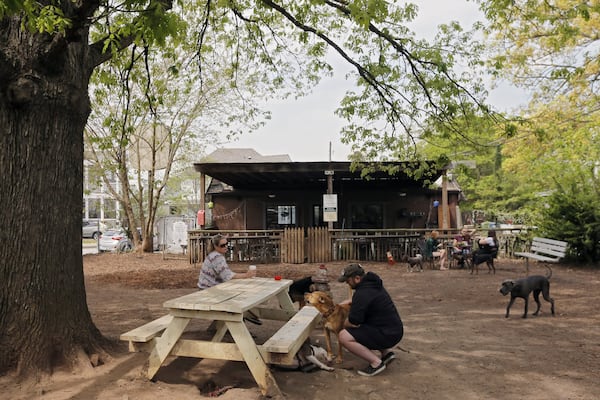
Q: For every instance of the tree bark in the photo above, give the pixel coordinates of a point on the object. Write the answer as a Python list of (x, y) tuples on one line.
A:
[(44, 105)]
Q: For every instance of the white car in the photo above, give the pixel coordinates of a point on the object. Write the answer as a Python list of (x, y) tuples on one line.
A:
[(92, 229), (115, 240)]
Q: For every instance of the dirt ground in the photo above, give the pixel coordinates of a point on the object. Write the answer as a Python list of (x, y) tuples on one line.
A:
[(457, 343)]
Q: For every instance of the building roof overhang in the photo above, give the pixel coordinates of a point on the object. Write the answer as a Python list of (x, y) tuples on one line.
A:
[(292, 175)]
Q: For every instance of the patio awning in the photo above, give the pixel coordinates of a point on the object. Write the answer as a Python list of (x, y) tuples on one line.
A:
[(289, 175)]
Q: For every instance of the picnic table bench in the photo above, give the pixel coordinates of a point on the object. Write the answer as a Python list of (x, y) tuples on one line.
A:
[(544, 250), (226, 304), (139, 338)]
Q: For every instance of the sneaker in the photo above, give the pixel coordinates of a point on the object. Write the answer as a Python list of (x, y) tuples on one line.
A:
[(370, 371), (388, 357)]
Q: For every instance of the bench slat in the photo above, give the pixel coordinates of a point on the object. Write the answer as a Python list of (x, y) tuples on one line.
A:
[(551, 245), (537, 257), (548, 246), (294, 332), (546, 251), (552, 242), (148, 331)]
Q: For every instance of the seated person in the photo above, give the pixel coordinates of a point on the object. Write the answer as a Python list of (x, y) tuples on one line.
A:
[(435, 248), (488, 247), (461, 247)]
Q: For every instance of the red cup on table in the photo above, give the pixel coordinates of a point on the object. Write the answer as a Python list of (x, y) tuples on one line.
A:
[(277, 277)]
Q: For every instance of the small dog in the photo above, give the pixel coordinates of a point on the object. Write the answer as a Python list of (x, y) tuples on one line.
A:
[(310, 357), (298, 288), (413, 262), (522, 287), (334, 316)]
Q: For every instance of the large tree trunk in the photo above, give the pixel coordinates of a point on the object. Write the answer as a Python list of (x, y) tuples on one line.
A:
[(44, 105)]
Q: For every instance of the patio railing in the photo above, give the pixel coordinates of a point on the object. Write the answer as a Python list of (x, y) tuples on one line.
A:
[(318, 244)]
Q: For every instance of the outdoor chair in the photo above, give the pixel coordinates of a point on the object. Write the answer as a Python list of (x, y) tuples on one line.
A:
[(464, 258), (427, 250)]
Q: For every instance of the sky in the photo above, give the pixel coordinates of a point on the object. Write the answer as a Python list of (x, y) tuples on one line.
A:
[(305, 128)]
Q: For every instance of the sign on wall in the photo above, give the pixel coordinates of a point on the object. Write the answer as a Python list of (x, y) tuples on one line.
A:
[(330, 208)]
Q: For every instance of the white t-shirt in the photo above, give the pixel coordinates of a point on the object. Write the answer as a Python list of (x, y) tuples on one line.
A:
[(489, 241)]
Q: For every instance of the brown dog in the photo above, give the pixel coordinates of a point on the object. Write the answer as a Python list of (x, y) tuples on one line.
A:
[(334, 316)]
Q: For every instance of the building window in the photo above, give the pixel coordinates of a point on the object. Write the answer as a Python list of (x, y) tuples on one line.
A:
[(366, 216), (279, 216), (317, 215), (286, 215), (94, 208)]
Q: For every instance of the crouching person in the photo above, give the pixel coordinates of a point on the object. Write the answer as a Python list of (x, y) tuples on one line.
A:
[(374, 325)]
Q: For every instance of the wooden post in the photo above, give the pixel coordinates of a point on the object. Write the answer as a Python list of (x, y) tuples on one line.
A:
[(445, 216), (202, 191)]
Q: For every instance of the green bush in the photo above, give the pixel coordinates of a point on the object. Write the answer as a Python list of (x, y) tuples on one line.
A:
[(572, 214)]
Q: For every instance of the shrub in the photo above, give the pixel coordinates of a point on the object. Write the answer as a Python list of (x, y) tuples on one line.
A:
[(572, 214)]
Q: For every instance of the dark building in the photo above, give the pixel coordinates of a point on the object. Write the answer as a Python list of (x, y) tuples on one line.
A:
[(245, 190)]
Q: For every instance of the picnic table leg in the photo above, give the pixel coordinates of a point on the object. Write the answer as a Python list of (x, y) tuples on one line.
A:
[(164, 344), (285, 302), (260, 371), (221, 330)]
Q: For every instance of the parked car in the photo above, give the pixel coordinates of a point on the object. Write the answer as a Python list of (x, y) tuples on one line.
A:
[(92, 229), (115, 240)]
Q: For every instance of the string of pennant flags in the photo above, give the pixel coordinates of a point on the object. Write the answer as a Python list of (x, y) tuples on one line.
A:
[(230, 215)]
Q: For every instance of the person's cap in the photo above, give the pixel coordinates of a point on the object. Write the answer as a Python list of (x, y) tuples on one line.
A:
[(350, 271)]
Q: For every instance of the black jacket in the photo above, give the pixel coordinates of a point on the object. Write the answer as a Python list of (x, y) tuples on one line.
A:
[(372, 305)]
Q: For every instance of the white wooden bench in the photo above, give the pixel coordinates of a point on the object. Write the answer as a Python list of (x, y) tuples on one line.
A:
[(139, 337), (286, 342), (544, 250)]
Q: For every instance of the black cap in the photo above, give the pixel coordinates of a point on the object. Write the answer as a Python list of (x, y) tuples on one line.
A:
[(350, 271)]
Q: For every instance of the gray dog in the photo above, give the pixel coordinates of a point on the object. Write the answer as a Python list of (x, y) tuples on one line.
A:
[(522, 287), (413, 262)]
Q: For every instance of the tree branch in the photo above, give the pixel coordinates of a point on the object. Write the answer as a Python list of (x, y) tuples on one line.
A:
[(379, 88), (98, 56)]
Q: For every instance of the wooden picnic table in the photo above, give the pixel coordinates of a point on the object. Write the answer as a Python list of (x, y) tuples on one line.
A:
[(226, 304)]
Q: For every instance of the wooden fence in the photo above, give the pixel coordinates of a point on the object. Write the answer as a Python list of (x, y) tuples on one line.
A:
[(320, 245), (292, 246)]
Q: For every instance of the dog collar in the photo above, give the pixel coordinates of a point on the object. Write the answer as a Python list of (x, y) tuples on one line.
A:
[(329, 312)]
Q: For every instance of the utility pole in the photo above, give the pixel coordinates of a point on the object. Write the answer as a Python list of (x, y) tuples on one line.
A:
[(330, 186)]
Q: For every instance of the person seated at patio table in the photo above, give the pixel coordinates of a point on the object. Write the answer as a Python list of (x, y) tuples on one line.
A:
[(487, 246), (215, 270), (489, 241), (461, 247), (435, 248)]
